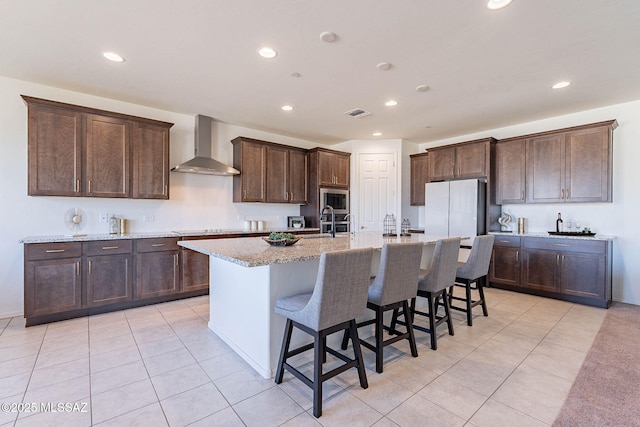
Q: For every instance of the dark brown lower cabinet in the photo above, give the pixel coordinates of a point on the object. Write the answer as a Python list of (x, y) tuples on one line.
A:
[(576, 270), (157, 267), (52, 286), (109, 279), (195, 270), (505, 261)]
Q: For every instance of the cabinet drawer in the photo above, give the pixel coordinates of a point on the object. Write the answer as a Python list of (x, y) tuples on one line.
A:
[(156, 245), (37, 251), (108, 247), (509, 241), (569, 245)]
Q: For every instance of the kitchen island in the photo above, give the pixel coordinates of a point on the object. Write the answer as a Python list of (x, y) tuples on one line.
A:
[(247, 276)]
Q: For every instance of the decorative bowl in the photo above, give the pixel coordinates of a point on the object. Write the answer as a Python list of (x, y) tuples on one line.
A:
[(281, 242)]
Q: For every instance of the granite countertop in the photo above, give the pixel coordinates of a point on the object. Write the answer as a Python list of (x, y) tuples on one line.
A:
[(254, 251), (151, 235), (551, 236)]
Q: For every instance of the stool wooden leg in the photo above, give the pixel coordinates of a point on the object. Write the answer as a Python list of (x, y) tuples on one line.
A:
[(362, 375), (432, 319), (379, 333), (447, 312), (318, 353), (286, 340), (467, 289), (412, 338), (481, 292)]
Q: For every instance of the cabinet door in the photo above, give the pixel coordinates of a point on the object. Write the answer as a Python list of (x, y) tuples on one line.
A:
[(419, 177), (325, 169), (441, 164), (505, 265), (157, 273), (471, 160), (546, 169), (52, 286), (55, 152), (588, 165), (583, 275), (510, 172), (109, 279), (108, 156), (341, 171), (253, 172), (539, 270), (150, 161), (277, 174), (195, 270), (298, 176)]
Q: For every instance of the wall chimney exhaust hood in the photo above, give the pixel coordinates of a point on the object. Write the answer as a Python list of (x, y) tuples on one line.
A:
[(202, 163)]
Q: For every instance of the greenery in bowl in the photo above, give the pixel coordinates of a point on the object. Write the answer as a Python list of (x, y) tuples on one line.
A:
[(281, 236)]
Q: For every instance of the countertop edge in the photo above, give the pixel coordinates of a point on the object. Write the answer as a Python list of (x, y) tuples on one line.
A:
[(601, 237)]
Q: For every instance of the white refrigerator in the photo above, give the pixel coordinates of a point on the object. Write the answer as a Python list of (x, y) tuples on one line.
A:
[(455, 208)]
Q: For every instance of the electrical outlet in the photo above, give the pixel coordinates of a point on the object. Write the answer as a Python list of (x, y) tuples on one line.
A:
[(148, 218), (104, 217)]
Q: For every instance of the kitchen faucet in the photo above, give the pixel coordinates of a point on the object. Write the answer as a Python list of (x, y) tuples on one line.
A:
[(332, 232)]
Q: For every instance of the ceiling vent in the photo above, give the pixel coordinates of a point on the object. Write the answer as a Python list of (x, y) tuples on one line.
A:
[(357, 112)]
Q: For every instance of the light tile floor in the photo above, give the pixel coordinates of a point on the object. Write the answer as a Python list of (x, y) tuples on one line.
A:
[(161, 365)]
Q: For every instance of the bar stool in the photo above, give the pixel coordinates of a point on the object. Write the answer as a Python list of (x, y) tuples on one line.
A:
[(433, 284), (339, 296), (394, 284), (473, 271)]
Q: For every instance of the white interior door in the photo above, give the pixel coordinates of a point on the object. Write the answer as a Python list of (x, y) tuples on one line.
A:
[(377, 189)]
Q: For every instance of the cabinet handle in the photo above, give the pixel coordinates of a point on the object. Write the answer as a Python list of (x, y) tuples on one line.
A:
[(109, 247), (77, 268), (563, 260), (166, 189), (244, 194), (566, 193), (562, 197), (89, 189), (503, 241), (561, 244), (175, 257), (517, 256), (557, 259), (157, 245), (89, 272), (77, 185), (522, 196), (54, 251)]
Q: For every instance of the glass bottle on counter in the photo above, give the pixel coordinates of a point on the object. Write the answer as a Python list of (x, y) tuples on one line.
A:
[(559, 223), (114, 225)]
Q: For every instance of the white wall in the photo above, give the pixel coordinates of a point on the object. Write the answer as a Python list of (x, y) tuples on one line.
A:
[(197, 201), (619, 218)]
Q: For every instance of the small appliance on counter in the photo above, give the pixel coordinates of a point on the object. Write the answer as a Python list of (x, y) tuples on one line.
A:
[(295, 222)]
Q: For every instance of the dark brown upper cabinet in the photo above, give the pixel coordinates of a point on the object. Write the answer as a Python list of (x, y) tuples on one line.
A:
[(460, 161), (269, 172), (419, 177), (333, 168), (510, 168), (80, 151), (571, 165)]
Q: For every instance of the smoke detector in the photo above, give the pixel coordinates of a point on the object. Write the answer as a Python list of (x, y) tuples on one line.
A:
[(357, 112)]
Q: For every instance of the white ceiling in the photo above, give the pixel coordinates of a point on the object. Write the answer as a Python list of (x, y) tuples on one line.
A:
[(485, 69)]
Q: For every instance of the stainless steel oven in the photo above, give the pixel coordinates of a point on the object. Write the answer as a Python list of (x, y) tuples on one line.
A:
[(337, 199)]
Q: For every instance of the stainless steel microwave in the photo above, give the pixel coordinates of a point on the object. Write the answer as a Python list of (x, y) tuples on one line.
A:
[(337, 199)]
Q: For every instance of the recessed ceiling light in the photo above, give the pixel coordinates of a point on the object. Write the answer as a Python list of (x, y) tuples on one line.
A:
[(561, 85), (391, 103), (377, 134), (328, 37), (287, 108), (296, 74), (422, 88), (497, 4), (112, 56), (384, 66), (267, 52)]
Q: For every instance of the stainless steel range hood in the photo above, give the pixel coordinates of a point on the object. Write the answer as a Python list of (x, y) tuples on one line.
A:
[(202, 163)]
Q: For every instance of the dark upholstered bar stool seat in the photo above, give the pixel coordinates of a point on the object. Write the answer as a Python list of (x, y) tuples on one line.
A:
[(433, 284), (473, 271), (395, 283), (338, 297)]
